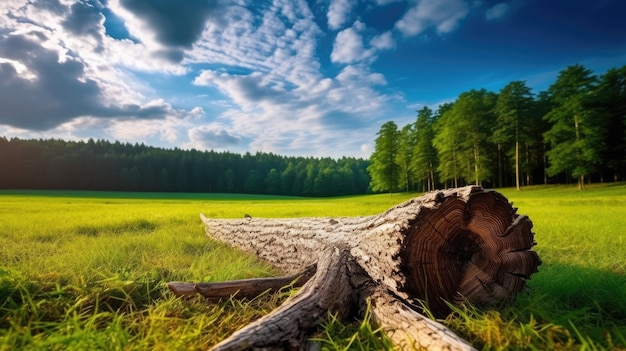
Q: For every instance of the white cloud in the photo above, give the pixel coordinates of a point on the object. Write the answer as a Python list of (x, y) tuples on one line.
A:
[(212, 136), (282, 101), (282, 46), (383, 41), (80, 78), (264, 63), (359, 75), (245, 90), (134, 130), (20, 69), (442, 15), (167, 129), (356, 93), (311, 121), (497, 11), (348, 46), (338, 11)]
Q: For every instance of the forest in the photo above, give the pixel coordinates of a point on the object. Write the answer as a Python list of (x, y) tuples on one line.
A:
[(575, 132), (107, 166)]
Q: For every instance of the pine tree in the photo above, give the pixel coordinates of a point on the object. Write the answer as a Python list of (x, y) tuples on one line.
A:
[(447, 142), (475, 117), (383, 168), (575, 135), (513, 109), (406, 145), (424, 162), (609, 100)]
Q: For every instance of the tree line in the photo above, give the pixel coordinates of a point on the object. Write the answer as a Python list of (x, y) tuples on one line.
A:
[(115, 166), (575, 131)]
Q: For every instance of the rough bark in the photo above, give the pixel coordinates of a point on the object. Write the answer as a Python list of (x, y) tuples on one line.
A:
[(457, 245), (245, 288)]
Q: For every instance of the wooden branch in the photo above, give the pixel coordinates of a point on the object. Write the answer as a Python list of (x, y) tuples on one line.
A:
[(329, 290), (408, 329), (245, 288)]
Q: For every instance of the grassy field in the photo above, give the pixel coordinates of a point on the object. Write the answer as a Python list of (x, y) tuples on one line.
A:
[(86, 270)]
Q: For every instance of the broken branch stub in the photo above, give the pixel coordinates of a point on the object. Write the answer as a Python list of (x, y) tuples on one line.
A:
[(455, 245)]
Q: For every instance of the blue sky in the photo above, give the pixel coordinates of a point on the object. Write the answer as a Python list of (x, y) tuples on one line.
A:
[(292, 77)]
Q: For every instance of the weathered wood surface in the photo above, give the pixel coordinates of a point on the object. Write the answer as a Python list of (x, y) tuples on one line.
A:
[(456, 245), (245, 288)]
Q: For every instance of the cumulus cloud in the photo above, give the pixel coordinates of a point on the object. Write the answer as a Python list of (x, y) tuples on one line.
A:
[(62, 73), (134, 130), (383, 41), (246, 90), (168, 129), (212, 136), (356, 89), (49, 92), (57, 65), (497, 11), (280, 43), (42, 102), (173, 24), (84, 20), (338, 10), (300, 120), (282, 103), (272, 75), (348, 46), (442, 15)]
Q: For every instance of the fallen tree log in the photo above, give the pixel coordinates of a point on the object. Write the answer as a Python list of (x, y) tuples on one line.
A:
[(445, 247)]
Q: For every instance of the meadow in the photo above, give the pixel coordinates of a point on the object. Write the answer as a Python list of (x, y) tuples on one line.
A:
[(87, 270)]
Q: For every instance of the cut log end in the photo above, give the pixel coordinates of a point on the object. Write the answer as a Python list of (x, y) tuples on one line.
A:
[(474, 249)]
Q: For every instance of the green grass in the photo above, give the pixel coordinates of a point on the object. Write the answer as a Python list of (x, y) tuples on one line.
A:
[(87, 270)]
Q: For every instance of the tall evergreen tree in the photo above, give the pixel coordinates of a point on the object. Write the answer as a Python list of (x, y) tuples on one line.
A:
[(447, 142), (229, 180), (424, 162), (254, 182), (475, 117), (609, 99), (383, 168), (406, 145), (575, 135), (513, 110), (538, 126), (272, 182)]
